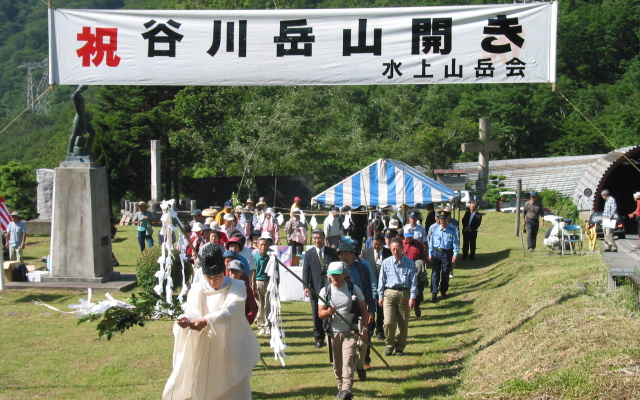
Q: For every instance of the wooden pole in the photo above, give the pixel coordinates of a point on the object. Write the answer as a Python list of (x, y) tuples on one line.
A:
[(518, 197), (483, 155), (2, 285)]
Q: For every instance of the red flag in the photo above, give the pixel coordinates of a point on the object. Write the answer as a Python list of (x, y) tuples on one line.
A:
[(5, 216)]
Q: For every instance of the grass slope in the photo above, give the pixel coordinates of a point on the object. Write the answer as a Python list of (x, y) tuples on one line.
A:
[(514, 328)]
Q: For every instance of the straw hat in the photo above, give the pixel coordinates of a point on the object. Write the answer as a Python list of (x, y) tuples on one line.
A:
[(209, 212)]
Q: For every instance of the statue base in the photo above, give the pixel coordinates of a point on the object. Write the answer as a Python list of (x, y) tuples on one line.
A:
[(80, 159), (80, 228)]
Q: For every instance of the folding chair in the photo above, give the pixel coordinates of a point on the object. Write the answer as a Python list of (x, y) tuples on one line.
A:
[(571, 234)]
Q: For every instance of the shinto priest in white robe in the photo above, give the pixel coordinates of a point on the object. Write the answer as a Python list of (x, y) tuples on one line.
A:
[(215, 363)]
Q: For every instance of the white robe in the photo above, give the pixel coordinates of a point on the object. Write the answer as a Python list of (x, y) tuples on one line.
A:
[(215, 363)]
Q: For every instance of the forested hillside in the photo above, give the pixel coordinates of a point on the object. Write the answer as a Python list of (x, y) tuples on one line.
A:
[(328, 132)]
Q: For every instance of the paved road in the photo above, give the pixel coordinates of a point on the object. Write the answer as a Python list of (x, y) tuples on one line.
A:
[(626, 257)]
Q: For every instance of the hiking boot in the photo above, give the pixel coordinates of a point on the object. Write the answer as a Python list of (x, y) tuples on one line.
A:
[(388, 351), (362, 374), (344, 395), (434, 298), (381, 335)]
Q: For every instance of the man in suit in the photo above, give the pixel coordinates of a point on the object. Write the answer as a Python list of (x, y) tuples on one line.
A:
[(470, 223), (314, 274), (374, 255)]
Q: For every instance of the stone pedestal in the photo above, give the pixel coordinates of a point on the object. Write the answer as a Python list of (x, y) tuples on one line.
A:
[(80, 229), (45, 193)]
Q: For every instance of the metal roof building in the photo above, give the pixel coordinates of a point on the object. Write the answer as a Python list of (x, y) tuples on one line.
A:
[(580, 177)]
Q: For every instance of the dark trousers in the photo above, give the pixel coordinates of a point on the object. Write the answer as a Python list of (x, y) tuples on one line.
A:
[(532, 232), (379, 322), (142, 236), (440, 269), (421, 277), (375, 327), (318, 332), (296, 248), (469, 244)]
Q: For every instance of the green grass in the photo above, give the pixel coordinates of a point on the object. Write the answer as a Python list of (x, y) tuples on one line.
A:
[(514, 328)]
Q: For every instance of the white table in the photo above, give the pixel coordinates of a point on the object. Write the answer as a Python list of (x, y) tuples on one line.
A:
[(290, 288)]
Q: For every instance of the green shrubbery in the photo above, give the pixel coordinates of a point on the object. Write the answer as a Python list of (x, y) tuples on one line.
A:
[(147, 266)]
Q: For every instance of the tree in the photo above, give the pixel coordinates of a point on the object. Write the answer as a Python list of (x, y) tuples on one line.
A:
[(18, 188), (126, 119)]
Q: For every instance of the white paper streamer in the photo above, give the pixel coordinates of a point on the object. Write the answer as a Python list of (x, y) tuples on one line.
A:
[(347, 221), (313, 222), (86, 307), (302, 217), (275, 315), (280, 218)]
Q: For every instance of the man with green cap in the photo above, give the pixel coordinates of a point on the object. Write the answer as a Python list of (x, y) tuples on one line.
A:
[(346, 299), (361, 274)]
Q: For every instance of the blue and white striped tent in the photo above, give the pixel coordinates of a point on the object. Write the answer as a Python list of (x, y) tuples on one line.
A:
[(385, 182)]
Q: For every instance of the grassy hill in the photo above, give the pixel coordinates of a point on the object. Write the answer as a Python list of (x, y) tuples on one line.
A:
[(514, 328)]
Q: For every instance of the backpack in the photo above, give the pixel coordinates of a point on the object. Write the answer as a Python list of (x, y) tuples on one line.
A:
[(19, 273), (353, 308)]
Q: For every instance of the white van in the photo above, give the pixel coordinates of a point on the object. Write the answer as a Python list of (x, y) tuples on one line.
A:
[(465, 198)]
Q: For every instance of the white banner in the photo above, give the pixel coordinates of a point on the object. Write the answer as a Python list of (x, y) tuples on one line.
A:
[(423, 45)]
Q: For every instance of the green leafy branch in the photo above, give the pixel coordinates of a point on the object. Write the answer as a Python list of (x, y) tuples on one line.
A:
[(118, 319)]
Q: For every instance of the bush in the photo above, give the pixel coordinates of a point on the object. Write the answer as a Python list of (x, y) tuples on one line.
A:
[(147, 266)]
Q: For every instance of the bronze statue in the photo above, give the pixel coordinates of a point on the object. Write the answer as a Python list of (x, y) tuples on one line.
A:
[(79, 145)]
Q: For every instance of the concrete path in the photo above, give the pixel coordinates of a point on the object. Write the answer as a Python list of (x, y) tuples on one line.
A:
[(624, 262)]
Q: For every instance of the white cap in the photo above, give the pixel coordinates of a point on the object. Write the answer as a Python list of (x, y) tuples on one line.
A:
[(266, 235)]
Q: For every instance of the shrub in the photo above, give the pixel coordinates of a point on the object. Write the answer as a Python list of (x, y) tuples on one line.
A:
[(147, 266)]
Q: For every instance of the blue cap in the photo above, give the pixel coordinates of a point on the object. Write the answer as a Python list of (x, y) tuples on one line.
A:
[(228, 204), (230, 254), (346, 246), (534, 194)]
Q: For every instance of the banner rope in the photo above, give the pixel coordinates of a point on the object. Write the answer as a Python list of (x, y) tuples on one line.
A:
[(25, 110), (597, 129)]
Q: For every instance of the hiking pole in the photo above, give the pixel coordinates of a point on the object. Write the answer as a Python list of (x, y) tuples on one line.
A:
[(351, 326)]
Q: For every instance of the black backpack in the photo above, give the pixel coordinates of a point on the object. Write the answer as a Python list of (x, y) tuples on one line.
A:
[(19, 273)]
